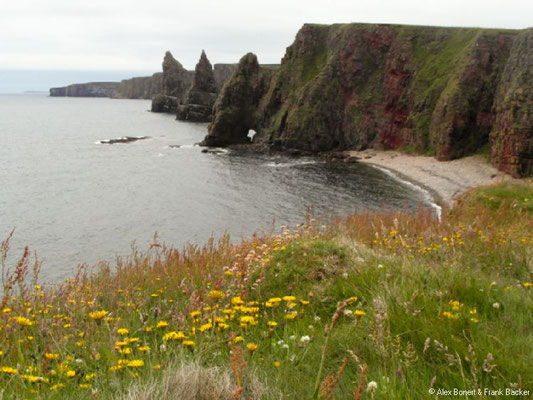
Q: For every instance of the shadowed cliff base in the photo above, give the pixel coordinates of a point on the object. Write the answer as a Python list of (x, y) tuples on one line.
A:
[(445, 92)]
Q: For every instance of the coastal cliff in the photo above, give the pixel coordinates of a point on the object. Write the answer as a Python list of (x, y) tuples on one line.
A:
[(90, 89), (440, 91), (144, 87), (135, 88)]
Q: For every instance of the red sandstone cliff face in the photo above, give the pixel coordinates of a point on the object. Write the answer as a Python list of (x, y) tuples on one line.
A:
[(512, 133), (354, 86)]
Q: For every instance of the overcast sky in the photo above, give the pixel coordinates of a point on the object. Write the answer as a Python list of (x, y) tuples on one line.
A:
[(131, 35)]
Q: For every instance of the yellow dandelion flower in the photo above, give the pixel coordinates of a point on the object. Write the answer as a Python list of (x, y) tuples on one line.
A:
[(289, 298), (56, 387), (98, 315), (123, 331), (90, 377), (237, 300), (252, 346), (291, 315), (216, 294), (359, 313), (162, 324), (272, 324), (9, 370), (174, 336), (157, 367), (274, 300), (84, 386), (238, 339), (195, 314), (528, 284), (144, 349), (189, 343), (449, 315), (135, 363), (51, 356), (277, 364), (70, 373), (23, 321)]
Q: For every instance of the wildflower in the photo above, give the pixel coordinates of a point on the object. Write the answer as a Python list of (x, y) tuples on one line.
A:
[(71, 374), (372, 385), (228, 273), (216, 294), (304, 302), (98, 315), (162, 324), (84, 386), (527, 284), (174, 336), (31, 378), (305, 339), (237, 300), (135, 363), (449, 315), (272, 324), (206, 327), (195, 314), (89, 377), (144, 349), (252, 346), (473, 311), (291, 315), (123, 331), (289, 298), (125, 350), (274, 300), (157, 367), (474, 320), (6, 310), (9, 370), (238, 339), (56, 387), (189, 343), (23, 321), (496, 306), (359, 313), (277, 364), (51, 356)]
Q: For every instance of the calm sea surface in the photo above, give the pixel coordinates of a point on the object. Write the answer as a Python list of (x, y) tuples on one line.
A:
[(75, 200)]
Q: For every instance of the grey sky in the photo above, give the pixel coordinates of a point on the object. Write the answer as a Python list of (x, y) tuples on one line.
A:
[(132, 35)]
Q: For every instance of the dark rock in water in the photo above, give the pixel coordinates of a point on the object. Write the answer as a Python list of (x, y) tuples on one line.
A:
[(164, 103), (444, 91), (125, 139), (198, 103), (212, 151)]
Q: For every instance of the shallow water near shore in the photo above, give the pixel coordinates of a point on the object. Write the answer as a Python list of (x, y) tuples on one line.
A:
[(73, 199)]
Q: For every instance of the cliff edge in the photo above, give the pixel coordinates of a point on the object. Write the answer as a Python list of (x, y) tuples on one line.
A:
[(439, 91)]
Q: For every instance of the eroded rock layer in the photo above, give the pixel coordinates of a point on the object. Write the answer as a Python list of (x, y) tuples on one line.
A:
[(435, 90)]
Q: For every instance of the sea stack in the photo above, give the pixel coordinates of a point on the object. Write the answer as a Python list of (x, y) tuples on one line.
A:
[(198, 104), (176, 81)]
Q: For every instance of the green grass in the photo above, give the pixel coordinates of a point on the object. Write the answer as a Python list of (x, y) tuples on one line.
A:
[(448, 304)]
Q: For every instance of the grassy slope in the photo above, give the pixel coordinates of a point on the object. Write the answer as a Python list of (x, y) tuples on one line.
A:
[(448, 303)]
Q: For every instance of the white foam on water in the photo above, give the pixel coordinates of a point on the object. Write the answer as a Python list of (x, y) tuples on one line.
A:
[(427, 195)]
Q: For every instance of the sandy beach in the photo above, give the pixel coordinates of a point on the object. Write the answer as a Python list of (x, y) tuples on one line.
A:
[(445, 180)]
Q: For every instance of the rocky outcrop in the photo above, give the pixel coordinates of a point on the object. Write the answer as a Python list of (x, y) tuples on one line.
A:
[(201, 96), (140, 88), (512, 134), (235, 110), (91, 89), (176, 81), (355, 86)]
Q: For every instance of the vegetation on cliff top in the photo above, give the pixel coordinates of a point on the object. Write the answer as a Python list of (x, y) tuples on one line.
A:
[(377, 306)]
